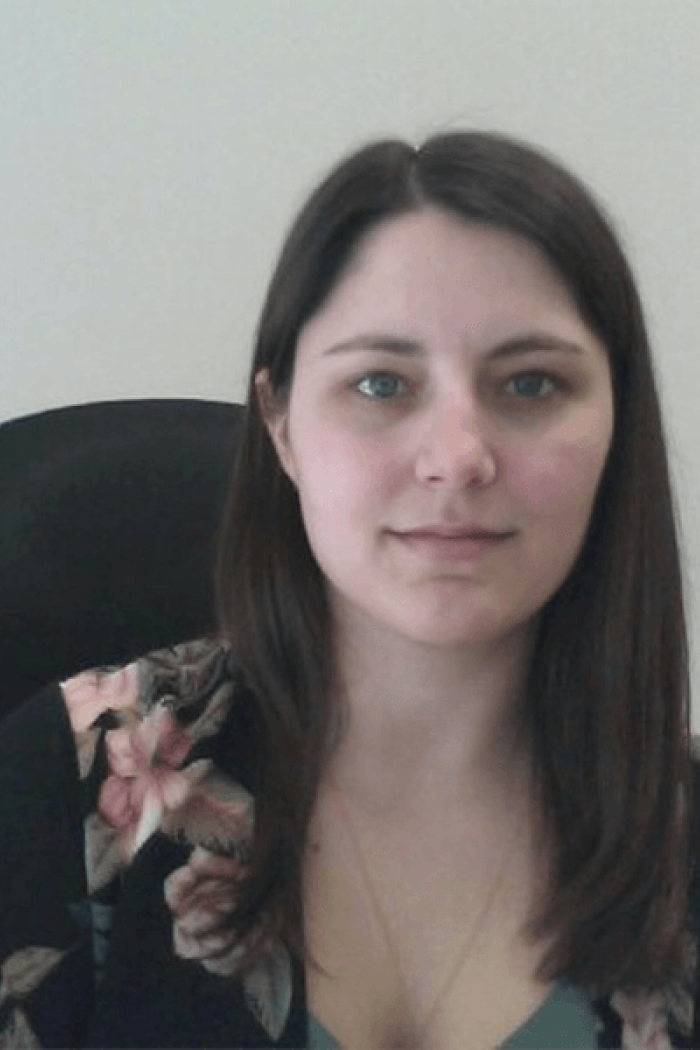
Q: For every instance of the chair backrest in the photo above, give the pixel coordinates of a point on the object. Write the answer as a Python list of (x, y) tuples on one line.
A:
[(109, 516)]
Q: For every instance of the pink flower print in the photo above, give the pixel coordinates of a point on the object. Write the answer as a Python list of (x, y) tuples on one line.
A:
[(89, 694), (201, 896), (145, 779), (218, 814)]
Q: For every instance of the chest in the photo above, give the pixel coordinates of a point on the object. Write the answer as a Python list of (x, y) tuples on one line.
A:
[(417, 938)]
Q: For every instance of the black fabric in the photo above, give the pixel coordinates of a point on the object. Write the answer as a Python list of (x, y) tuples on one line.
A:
[(140, 1002), (39, 817), (42, 862), (146, 997), (694, 865), (108, 521)]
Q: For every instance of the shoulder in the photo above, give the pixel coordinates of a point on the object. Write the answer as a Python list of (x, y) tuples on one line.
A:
[(180, 677), (148, 740)]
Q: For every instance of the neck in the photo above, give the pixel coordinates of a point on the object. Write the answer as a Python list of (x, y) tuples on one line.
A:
[(428, 724)]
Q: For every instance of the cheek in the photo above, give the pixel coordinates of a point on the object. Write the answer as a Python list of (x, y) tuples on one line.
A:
[(560, 480), (339, 476)]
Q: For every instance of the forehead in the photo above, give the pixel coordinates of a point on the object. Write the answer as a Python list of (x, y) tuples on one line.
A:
[(426, 272), (433, 238)]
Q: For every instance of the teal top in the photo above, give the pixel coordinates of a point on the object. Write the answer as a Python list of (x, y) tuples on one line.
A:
[(565, 1016)]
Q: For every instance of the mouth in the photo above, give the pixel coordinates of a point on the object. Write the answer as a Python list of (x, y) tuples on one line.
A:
[(452, 545), (447, 533)]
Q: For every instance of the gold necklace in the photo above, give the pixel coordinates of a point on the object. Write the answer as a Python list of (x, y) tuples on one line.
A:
[(421, 1028)]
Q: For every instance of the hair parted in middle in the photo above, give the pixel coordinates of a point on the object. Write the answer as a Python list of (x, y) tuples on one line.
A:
[(606, 699)]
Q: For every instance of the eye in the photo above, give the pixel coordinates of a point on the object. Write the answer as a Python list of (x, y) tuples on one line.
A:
[(382, 383), (533, 386)]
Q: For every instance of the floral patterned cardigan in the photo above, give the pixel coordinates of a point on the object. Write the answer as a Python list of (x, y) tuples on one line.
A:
[(126, 814)]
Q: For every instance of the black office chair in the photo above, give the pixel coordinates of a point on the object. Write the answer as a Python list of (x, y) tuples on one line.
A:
[(109, 514)]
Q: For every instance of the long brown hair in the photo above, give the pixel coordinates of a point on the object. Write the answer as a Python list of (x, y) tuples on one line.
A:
[(607, 696)]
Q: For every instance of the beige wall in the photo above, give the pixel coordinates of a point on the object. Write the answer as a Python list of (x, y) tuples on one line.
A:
[(153, 152)]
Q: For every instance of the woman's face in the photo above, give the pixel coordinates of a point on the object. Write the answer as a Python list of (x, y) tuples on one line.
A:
[(448, 384)]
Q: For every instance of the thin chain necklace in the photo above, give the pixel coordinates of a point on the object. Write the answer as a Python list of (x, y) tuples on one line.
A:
[(421, 1028)]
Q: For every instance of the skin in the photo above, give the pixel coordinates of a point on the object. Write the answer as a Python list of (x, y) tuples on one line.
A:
[(461, 428)]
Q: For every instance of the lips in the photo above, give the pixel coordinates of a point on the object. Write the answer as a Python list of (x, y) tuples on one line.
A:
[(455, 533), (450, 545)]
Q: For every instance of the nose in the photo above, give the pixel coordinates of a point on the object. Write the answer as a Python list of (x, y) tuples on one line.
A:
[(455, 449)]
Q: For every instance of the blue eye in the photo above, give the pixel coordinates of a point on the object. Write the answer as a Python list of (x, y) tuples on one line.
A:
[(526, 386), (529, 385), (384, 385)]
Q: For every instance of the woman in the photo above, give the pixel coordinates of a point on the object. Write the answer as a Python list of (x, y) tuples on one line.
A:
[(431, 785)]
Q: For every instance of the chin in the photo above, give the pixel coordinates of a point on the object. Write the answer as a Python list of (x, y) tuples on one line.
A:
[(452, 637), (478, 630)]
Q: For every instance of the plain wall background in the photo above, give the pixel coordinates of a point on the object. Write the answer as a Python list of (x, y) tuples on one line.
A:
[(154, 152)]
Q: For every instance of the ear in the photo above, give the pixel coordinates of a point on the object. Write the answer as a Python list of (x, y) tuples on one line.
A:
[(276, 421)]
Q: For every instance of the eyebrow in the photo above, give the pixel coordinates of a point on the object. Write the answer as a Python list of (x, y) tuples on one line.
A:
[(522, 344)]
